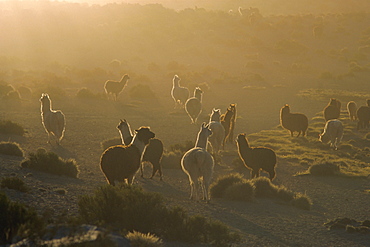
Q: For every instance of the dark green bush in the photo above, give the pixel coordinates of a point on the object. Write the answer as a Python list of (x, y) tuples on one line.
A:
[(240, 192), (50, 162), (302, 201), (11, 148), (14, 183), (17, 219), (8, 127), (110, 142), (324, 169), (85, 93), (217, 189), (129, 208), (264, 187)]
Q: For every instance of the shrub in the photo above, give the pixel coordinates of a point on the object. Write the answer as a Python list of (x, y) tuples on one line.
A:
[(240, 192), (11, 148), (8, 127), (50, 162), (14, 183), (324, 169), (302, 201), (141, 91), (17, 219), (264, 187), (217, 189), (110, 142), (129, 208), (138, 239), (285, 194)]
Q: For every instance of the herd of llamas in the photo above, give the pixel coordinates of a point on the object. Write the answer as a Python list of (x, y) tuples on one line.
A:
[(120, 163)]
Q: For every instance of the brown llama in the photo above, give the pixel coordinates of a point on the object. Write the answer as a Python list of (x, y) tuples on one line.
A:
[(228, 121), (293, 121), (332, 110), (115, 87)]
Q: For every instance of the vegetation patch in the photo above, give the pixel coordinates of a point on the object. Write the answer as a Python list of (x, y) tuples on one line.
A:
[(11, 148), (11, 128), (141, 91), (14, 183), (324, 169), (50, 162), (138, 239), (16, 219), (129, 208), (235, 187)]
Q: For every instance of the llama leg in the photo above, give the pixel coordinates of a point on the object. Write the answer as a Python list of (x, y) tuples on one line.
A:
[(291, 133), (155, 169), (130, 179), (141, 169), (160, 173), (299, 133)]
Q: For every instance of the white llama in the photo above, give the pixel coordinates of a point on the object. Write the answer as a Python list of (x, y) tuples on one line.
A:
[(53, 121), (178, 93), (125, 132), (193, 105), (198, 164), (218, 131), (115, 87)]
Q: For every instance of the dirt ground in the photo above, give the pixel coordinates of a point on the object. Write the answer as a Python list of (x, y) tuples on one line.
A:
[(264, 222)]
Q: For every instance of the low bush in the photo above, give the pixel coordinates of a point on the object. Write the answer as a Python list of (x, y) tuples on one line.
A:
[(217, 189), (129, 208), (50, 162), (138, 239), (8, 127), (264, 187), (16, 219), (85, 93), (110, 142), (240, 192), (324, 168), (14, 183), (302, 201), (182, 147), (11, 148)]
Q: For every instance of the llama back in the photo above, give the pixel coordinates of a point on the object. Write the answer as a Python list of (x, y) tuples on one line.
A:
[(120, 162), (54, 122), (197, 161)]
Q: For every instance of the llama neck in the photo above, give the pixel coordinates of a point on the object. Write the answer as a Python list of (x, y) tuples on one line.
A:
[(125, 135), (198, 95), (201, 141), (137, 143), (243, 144), (46, 107), (215, 118), (176, 83)]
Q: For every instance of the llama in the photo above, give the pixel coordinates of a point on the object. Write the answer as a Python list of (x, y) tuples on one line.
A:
[(152, 152), (256, 159), (179, 94), (115, 87), (230, 135), (226, 122), (193, 105), (363, 116), (332, 110), (352, 109), (198, 164), (218, 131), (333, 132), (53, 121), (293, 121), (125, 132), (120, 162)]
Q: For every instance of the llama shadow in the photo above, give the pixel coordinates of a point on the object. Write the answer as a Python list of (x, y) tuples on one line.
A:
[(63, 152)]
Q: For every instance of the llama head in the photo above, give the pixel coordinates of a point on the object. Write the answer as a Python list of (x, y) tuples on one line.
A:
[(285, 109), (205, 131), (333, 101), (232, 107), (123, 124), (215, 115), (125, 77), (324, 138), (44, 97), (144, 134), (242, 139)]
